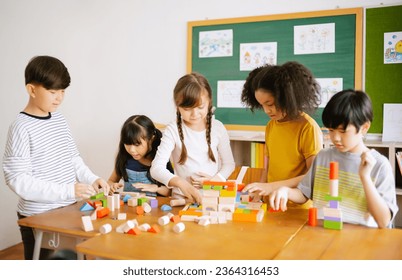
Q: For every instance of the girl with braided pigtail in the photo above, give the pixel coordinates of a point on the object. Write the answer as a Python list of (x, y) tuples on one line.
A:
[(196, 142)]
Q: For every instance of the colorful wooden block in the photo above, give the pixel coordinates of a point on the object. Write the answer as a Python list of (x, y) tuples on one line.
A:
[(154, 229), (166, 207), (97, 196), (86, 207), (333, 224), (179, 227), (175, 219), (139, 210), (153, 203), (87, 223), (102, 212), (134, 231)]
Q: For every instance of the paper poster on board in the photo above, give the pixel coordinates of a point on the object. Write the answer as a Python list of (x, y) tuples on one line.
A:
[(229, 94), (253, 55), (218, 43), (392, 122), (329, 86), (392, 47), (314, 38)]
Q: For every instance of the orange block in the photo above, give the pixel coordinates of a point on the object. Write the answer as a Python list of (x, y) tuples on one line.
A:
[(175, 219), (240, 187), (243, 217), (154, 229), (97, 204), (139, 210), (102, 212), (190, 212), (134, 231)]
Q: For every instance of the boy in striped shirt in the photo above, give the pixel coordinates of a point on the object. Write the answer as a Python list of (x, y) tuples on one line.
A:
[(41, 162)]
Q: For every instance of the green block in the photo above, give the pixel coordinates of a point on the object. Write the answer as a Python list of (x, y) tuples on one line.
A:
[(330, 197), (104, 202), (97, 196), (332, 224), (206, 187), (141, 200)]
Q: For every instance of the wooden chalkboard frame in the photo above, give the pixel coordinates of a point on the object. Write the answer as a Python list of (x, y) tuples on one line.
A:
[(279, 18)]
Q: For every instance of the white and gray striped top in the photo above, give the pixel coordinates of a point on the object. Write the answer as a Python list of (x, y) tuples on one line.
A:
[(41, 163)]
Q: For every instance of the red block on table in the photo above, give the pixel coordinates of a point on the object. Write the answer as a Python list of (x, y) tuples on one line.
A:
[(312, 216), (333, 170)]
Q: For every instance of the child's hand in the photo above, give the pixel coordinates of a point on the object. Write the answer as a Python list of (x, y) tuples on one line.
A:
[(114, 187), (101, 185), (84, 191), (367, 163), (262, 189), (198, 179), (279, 199), (146, 187), (192, 194)]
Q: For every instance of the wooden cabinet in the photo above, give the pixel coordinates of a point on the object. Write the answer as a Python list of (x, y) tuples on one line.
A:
[(241, 147)]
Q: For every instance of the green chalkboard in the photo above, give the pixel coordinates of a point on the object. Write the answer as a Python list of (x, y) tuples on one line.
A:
[(383, 82), (345, 62)]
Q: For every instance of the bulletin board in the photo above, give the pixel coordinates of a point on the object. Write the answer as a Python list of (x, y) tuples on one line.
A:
[(343, 62), (383, 69)]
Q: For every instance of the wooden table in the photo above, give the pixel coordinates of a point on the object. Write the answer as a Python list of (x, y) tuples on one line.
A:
[(353, 242), (233, 240), (279, 236), (61, 228)]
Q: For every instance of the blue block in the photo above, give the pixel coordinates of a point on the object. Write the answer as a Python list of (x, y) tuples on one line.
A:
[(126, 198), (86, 207), (166, 207)]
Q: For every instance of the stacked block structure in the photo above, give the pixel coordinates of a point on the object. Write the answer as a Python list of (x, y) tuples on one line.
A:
[(333, 213), (221, 201)]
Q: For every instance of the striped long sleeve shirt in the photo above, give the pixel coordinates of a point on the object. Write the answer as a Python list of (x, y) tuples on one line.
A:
[(41, 163)]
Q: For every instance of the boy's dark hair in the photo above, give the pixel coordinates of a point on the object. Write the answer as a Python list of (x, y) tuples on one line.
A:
[(292, 85), (134, 129), (248, 93), (348, 107), (48, 72)]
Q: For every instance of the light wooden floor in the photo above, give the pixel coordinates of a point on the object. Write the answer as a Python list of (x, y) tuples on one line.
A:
[(15, 252)]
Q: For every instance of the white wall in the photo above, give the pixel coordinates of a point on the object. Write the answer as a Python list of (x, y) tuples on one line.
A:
[(124, 58)]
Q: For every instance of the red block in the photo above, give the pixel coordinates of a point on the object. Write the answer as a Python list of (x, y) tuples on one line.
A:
[(312, 216), (333, 170), (134, 231)]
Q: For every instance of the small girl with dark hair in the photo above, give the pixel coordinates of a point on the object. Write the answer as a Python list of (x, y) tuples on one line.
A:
[(139, 141), (197, 143), (366, 181), (287, 93)]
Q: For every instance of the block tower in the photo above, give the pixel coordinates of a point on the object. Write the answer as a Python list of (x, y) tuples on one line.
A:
[(333, 214)]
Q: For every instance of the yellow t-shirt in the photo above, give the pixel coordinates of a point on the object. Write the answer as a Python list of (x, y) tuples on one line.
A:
[(289, 144)]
